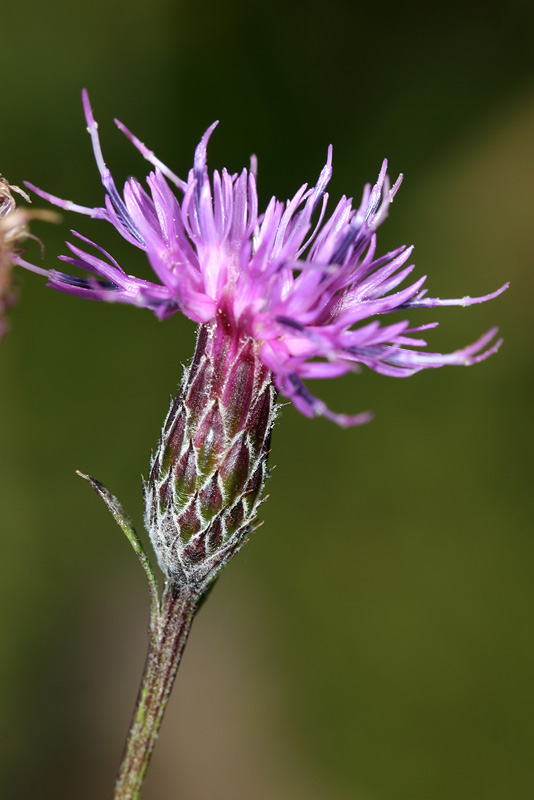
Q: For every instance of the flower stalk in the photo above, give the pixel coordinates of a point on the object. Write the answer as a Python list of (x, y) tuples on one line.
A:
[(167, 639), (169, 626)]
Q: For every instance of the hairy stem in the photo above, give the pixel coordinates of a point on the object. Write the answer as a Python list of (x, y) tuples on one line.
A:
[(168, 637)]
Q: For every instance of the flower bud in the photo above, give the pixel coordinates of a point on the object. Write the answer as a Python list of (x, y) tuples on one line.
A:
[(208, 472)]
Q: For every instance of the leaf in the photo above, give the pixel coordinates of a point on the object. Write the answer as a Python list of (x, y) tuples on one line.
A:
[(124, 521)]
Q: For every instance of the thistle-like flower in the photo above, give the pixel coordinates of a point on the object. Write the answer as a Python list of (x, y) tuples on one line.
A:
[(281, 296)]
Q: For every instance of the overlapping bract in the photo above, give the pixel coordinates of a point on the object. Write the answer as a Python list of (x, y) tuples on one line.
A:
[(208, 472), (307, 287)]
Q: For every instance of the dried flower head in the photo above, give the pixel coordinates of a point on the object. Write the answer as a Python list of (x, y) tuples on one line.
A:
[(13, 230), (312, 295)]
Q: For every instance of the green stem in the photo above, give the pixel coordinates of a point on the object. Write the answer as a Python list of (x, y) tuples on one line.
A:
[(167, 638)]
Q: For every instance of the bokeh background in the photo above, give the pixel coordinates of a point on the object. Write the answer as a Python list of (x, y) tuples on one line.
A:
[(375, 639)]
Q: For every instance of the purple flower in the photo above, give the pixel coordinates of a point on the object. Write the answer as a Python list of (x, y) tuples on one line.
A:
[(307, 287)]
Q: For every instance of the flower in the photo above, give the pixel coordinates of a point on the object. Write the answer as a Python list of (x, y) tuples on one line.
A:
[(310, 294)]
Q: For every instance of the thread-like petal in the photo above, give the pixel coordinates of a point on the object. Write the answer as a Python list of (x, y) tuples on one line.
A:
[(306, 286)]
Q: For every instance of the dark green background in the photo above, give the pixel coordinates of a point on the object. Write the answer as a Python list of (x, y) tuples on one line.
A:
[(375, 639)]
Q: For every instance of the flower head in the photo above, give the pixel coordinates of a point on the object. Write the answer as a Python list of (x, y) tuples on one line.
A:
[(306, 286), (13, 230)]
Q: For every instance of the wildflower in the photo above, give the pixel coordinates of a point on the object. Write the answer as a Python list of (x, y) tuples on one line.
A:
[(279, 299), (310, 296)]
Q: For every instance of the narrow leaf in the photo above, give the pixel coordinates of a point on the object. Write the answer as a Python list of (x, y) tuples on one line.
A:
[(124, 521)]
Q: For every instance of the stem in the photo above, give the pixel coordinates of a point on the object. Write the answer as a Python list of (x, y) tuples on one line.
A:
[(167, 639)]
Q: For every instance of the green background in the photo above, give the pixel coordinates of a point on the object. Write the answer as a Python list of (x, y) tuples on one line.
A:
[(375, 639)]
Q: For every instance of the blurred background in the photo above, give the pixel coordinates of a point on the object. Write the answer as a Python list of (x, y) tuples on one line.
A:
[(375, 639)]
